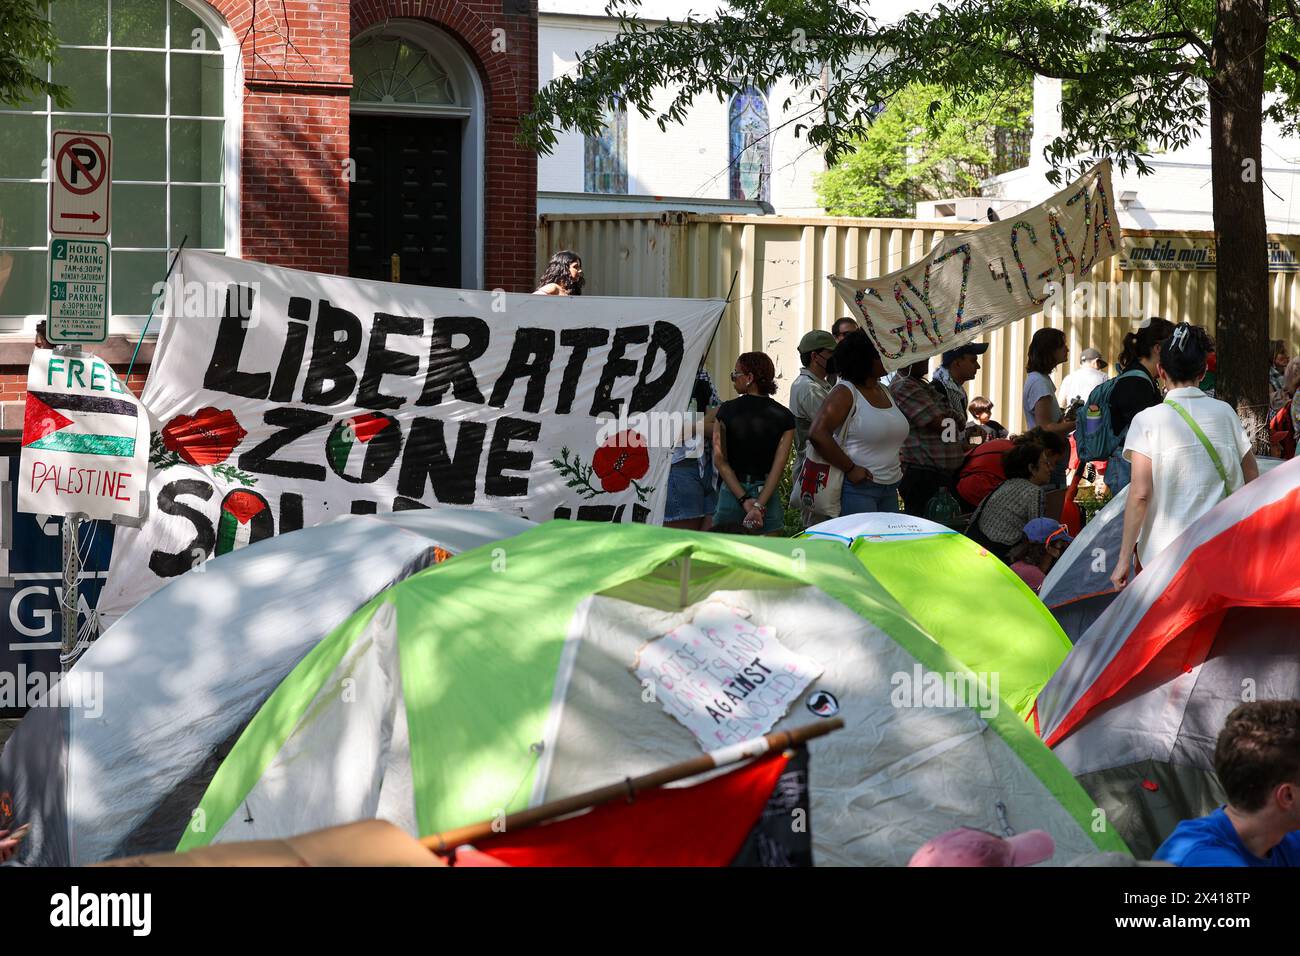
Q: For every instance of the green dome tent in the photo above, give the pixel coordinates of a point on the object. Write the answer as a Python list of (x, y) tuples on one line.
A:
[(964, 597), (504, 678)]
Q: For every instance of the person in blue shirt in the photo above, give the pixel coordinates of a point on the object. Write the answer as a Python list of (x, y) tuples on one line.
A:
[(1257, 760)]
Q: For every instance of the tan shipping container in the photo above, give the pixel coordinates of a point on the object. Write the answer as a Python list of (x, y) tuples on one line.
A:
[(781, 265)]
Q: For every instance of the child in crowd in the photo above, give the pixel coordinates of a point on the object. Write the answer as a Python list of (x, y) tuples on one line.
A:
[(981, 409), (1043, 544)]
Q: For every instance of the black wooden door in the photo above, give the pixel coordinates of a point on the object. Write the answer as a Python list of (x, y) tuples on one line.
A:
[(406, 199)]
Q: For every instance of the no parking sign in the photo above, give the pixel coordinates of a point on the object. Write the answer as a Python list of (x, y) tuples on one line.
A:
[(80, 183)]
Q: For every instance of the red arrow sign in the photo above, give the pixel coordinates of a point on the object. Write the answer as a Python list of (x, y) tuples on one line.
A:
[(92, 216)]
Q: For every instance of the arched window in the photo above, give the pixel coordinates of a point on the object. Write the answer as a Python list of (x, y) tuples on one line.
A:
[(605, 156), (751, 146), (158, 76), (391, 70)]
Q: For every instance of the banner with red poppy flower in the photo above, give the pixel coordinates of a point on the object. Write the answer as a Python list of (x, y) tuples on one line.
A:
[(282, 399), (84, 440)]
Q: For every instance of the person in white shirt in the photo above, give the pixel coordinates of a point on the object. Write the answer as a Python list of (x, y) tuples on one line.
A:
[(1047, 350), (1080, 383), (1180, 472), (869, 455)]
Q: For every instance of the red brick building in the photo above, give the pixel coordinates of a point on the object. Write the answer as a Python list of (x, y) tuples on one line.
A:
[(369, 138)]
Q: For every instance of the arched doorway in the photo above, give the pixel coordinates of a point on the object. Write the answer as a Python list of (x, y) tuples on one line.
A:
[(416, 189)]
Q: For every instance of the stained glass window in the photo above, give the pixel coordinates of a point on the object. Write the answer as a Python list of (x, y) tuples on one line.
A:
[(751, 146), (605, 156), (392, 70)]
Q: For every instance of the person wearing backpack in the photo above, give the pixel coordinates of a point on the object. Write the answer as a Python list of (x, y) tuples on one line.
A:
[(1187, 454), (982, 472), (1104, 421)]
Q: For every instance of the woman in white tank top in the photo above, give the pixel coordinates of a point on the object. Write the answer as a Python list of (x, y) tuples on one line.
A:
[(867, 451)]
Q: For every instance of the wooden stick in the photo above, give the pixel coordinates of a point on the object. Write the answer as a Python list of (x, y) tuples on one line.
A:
[(448, 840)]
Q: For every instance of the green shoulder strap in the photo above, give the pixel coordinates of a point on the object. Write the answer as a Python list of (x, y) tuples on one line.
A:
[(1214, 455)]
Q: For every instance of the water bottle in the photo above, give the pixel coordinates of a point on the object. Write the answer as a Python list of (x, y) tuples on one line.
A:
[(943, 508), (1093, 420)]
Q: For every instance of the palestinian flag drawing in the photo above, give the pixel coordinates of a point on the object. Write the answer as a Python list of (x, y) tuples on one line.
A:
[(362, 448), (80, 424), (245, 519)]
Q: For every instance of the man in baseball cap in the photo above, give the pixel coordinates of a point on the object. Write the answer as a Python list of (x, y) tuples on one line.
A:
[(958, 367), (1080, 383), (810, 388), (969, 847)]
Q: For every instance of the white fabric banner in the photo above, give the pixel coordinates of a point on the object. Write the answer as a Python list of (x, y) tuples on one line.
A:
[(85, 440), (282, 399), (973, 282)]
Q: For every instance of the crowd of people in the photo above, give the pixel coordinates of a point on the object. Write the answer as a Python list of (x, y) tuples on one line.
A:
[(913, 442), (908, 441)]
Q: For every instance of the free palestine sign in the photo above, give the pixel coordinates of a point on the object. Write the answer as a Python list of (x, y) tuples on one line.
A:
[(85, 440)]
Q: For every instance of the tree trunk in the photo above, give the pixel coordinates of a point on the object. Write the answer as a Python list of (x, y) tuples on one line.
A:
[(1236, 128)]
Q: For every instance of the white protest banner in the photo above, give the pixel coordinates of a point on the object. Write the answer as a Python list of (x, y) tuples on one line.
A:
[(725, 678), (285, 398), (973, 282), (85, 440)]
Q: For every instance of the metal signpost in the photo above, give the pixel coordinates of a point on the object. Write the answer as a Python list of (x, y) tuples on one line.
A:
[(80, 215)]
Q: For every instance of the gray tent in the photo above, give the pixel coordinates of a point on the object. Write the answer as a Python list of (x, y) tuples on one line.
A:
[(168, 688), (1136, 709)]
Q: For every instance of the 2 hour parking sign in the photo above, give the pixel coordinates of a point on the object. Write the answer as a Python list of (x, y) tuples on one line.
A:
[(78, 291)]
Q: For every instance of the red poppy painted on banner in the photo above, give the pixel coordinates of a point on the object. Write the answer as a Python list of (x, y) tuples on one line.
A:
[(205, 438), (621, 460)]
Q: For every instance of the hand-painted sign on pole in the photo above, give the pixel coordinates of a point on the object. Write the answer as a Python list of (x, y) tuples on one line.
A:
[(78, 291), (85, 440)]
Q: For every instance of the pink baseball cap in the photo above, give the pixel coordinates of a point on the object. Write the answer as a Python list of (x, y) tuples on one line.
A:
[(968, 847)]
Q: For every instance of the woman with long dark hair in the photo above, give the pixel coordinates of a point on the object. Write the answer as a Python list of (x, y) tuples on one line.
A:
[(563, 275), (1136, 389), (751, 445), (1047, 350), (876, 429), (1187, 453)]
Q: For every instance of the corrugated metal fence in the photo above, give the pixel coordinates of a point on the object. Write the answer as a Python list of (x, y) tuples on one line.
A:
[(782, 291)]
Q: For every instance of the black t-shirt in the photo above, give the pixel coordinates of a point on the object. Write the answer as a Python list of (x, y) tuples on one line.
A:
[(1130, 396), (755, 424)]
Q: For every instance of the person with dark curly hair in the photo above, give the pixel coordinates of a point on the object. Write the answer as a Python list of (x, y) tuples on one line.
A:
[(563, 275), (751, 445), (1000, 520), (876, 430), (1257, 761), (1187, 454)]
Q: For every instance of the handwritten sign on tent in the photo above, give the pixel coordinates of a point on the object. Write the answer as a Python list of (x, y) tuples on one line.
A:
[(974, 282), (85, 440), (284, 399), (727, 679)]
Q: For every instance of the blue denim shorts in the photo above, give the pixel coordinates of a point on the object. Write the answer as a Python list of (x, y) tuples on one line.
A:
[(868, 496), (730, 512), (689, 495)]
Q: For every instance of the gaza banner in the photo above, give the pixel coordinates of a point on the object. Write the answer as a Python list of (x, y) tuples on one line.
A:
[(282, 399), (974, 282)]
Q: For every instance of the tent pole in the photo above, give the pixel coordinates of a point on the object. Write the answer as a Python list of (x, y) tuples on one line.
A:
[(448, 840)]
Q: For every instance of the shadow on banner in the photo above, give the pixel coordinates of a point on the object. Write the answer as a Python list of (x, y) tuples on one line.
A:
[(31, 588)]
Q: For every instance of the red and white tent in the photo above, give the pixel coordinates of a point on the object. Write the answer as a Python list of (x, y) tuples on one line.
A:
[(1136, 708)]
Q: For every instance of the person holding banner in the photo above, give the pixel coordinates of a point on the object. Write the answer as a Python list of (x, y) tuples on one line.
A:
[(1187, 453), (751, 445), (876, 430), (1047, 350), (563, 275)]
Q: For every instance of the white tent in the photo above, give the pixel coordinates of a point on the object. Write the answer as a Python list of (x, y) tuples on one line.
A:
[(179, 675)]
